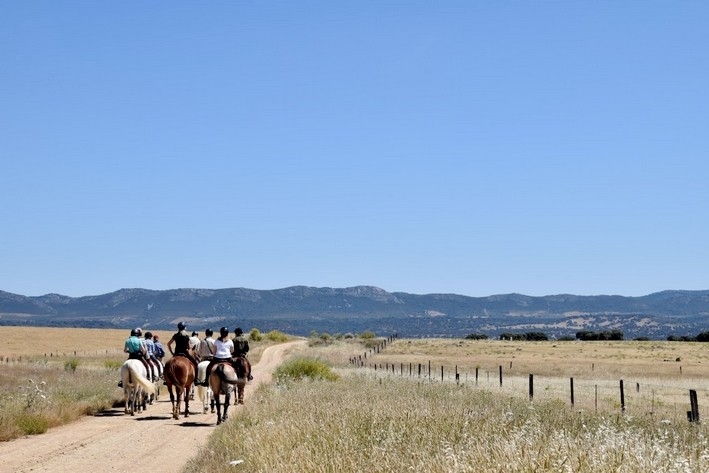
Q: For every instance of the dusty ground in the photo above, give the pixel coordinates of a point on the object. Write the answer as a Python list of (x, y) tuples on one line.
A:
[(114, 442)]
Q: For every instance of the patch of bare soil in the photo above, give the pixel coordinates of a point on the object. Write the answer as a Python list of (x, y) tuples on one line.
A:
[(115, 442)]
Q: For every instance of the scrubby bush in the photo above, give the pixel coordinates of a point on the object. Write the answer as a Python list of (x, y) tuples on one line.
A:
[(255, 335), (475, 336), (71, 364), (112, 364), (276, 336), (300, 368)]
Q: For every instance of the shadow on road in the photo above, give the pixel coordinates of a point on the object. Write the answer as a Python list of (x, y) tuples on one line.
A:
[(196, 424), (110, 413), (154, 418)]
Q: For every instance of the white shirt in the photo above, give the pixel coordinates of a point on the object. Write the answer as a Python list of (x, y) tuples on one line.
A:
[(223, 349)]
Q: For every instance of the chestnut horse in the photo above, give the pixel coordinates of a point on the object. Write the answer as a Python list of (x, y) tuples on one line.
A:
[(221, 380), (179, 373)]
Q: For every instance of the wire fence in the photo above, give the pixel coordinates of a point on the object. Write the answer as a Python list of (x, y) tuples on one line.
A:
[(662, 399)]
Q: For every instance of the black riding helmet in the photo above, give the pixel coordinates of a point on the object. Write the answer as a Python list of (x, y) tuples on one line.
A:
[(223, 331), (181, 326)]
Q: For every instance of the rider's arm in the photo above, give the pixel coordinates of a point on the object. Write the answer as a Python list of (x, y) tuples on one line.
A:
[(169, 345)]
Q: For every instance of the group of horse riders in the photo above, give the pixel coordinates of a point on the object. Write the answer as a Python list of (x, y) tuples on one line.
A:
[(150, 352)]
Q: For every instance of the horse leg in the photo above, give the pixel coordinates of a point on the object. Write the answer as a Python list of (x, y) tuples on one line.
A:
[(187, 401), (126, 394), (175, 400), (227, 399), (240, 393), (219, 408)]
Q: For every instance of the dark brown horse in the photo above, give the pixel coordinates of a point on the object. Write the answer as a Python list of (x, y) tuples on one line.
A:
[(179, 372), (223, 377)]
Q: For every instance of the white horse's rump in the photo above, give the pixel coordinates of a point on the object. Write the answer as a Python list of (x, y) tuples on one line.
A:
[(204, 393), (136, 386)]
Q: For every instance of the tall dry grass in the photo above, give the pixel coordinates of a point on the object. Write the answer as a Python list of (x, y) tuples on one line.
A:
[(374, 421), (36, 396)]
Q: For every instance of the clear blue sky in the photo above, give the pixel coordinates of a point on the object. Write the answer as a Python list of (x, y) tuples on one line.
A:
[(470, 147)]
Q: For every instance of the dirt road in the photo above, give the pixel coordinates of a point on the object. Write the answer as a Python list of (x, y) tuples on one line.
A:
[(114, 442)]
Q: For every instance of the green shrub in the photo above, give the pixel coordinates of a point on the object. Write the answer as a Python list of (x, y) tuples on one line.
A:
[(112, 364), (255, 335), (276, 336), (367, 335), (300, 368), (32, 423), (71, 364)]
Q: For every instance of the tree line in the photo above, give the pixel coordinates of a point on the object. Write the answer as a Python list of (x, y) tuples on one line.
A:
[(585, 335)]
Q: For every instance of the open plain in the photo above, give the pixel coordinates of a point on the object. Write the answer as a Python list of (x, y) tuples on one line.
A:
[(111, 441)]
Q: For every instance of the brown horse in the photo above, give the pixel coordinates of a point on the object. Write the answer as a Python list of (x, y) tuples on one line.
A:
[(221, 380), (179, 372)]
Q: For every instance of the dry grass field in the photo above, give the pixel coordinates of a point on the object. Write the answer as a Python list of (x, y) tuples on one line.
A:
[(611, 359), (382, 420), (83, 343)]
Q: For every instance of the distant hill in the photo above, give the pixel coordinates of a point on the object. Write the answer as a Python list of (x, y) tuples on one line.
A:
[(301, 310)]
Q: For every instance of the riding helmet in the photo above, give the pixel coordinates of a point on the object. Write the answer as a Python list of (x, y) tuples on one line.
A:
[(181, 326), (224, 331), (133, 333), (148, 335), (138, 331)]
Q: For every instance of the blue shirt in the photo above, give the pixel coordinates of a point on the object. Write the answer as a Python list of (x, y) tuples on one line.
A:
[(133, 344)]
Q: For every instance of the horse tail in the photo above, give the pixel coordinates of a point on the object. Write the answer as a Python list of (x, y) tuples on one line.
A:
[(229, 376), (143, 381)]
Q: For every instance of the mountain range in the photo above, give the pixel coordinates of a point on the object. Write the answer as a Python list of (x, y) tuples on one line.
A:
[(301, 310)]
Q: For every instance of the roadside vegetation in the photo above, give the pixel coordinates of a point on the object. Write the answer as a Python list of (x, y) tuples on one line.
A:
[(366, 420), (35, 395), (65, 374)]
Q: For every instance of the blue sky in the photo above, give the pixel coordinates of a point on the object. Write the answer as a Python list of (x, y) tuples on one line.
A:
[(470, 147)]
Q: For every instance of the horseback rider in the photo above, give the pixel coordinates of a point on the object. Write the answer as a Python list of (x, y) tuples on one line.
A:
[(159, 349), (151, 352), (181, 340), (146, 355), (205, 349), (241, 347), (136, 351), (223, 351)]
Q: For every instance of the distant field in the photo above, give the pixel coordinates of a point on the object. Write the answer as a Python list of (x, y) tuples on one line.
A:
[(52, 342), (612, 359), (38, 341)]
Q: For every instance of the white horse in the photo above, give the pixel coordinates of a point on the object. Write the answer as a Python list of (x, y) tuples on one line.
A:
[(136, 386), (204, 393)]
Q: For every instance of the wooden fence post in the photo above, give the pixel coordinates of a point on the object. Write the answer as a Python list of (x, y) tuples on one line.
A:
[(476, 375), (531, 387), (571, 382), (622, 397), (693, 415), (500, 375)]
